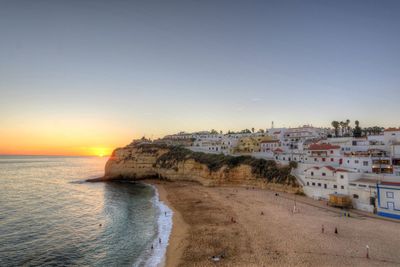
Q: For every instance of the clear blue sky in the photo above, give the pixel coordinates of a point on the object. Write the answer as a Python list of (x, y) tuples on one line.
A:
[(154, 67)]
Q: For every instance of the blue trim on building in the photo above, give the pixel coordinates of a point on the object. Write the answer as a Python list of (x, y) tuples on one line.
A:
[(379, 195), (389, 215)]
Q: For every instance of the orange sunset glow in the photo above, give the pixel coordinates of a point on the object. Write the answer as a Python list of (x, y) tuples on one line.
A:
[(60, 140)]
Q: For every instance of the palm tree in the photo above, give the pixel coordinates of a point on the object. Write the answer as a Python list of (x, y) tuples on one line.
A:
[(335, 125), (357, 130), (348, 127), (342, 124)]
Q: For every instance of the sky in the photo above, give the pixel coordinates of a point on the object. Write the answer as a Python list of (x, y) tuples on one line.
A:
[(84, 77)]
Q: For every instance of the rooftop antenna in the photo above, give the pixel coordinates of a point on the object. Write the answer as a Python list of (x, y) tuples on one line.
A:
[(272, 125)]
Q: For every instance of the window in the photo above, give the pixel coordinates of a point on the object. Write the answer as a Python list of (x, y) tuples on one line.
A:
[(365, 163), (356, 161), (334, 186), (355, 196), (353, 184), (312, 173), (341, 176), (323, 174), (389, 195), (342, 186), (325, 186), (331, 151), (313, 184), (315, 159), (332, 159), (308, 183), (323, 159), (319, 184)]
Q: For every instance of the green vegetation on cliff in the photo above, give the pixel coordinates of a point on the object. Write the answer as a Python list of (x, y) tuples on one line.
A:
[(266, 169)]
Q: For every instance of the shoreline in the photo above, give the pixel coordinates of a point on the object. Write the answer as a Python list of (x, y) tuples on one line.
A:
[(156, 256), (177, 235)]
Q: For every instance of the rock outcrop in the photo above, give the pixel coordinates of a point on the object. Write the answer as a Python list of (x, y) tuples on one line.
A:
[(141, 161)]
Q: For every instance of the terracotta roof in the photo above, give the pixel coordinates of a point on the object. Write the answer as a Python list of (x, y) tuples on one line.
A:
[(315, 168), (277, 132), (366, 180), (278, 150), (322, 147), (391, 183), (329, 168), (392, 129)]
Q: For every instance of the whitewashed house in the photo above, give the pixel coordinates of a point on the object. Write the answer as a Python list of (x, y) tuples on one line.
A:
[(363, 193), (395, 154), (325, 154), (389, 199), (320, 182), (391, 135), (269, 145)]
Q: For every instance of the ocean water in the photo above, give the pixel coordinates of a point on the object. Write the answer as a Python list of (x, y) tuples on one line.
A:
[(50, 217)]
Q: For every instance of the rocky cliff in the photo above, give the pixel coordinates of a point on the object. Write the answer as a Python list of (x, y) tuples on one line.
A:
[(142, 161)]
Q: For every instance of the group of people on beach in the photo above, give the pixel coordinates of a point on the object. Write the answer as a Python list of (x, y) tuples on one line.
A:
[(323, 230), (159, 239), (159, 242)]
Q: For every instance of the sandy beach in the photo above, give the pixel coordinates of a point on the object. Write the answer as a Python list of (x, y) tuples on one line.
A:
[(266, 232)]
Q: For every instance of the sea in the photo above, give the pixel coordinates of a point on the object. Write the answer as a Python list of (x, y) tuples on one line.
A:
[(49, 215)]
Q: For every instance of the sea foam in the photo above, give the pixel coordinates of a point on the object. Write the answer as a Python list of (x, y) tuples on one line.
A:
[(156, 256)]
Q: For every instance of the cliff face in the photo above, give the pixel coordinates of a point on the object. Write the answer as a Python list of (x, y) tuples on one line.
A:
[(149, 161)]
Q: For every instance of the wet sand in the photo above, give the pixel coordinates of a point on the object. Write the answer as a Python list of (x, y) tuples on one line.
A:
[(266, 232)]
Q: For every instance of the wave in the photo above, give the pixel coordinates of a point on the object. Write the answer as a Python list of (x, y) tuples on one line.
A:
[(156, 257)]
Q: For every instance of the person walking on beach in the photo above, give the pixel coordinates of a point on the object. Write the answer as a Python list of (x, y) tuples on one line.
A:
[(152, 247), (336, 231), (159, 240), (322, 229)]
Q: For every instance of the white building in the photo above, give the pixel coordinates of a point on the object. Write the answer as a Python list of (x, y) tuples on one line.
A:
[(389, 199), (395, 154), (294, 137), (372, 161), (363, 193), (391, 135), (320, 182), (269, 145), (325, 154)]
